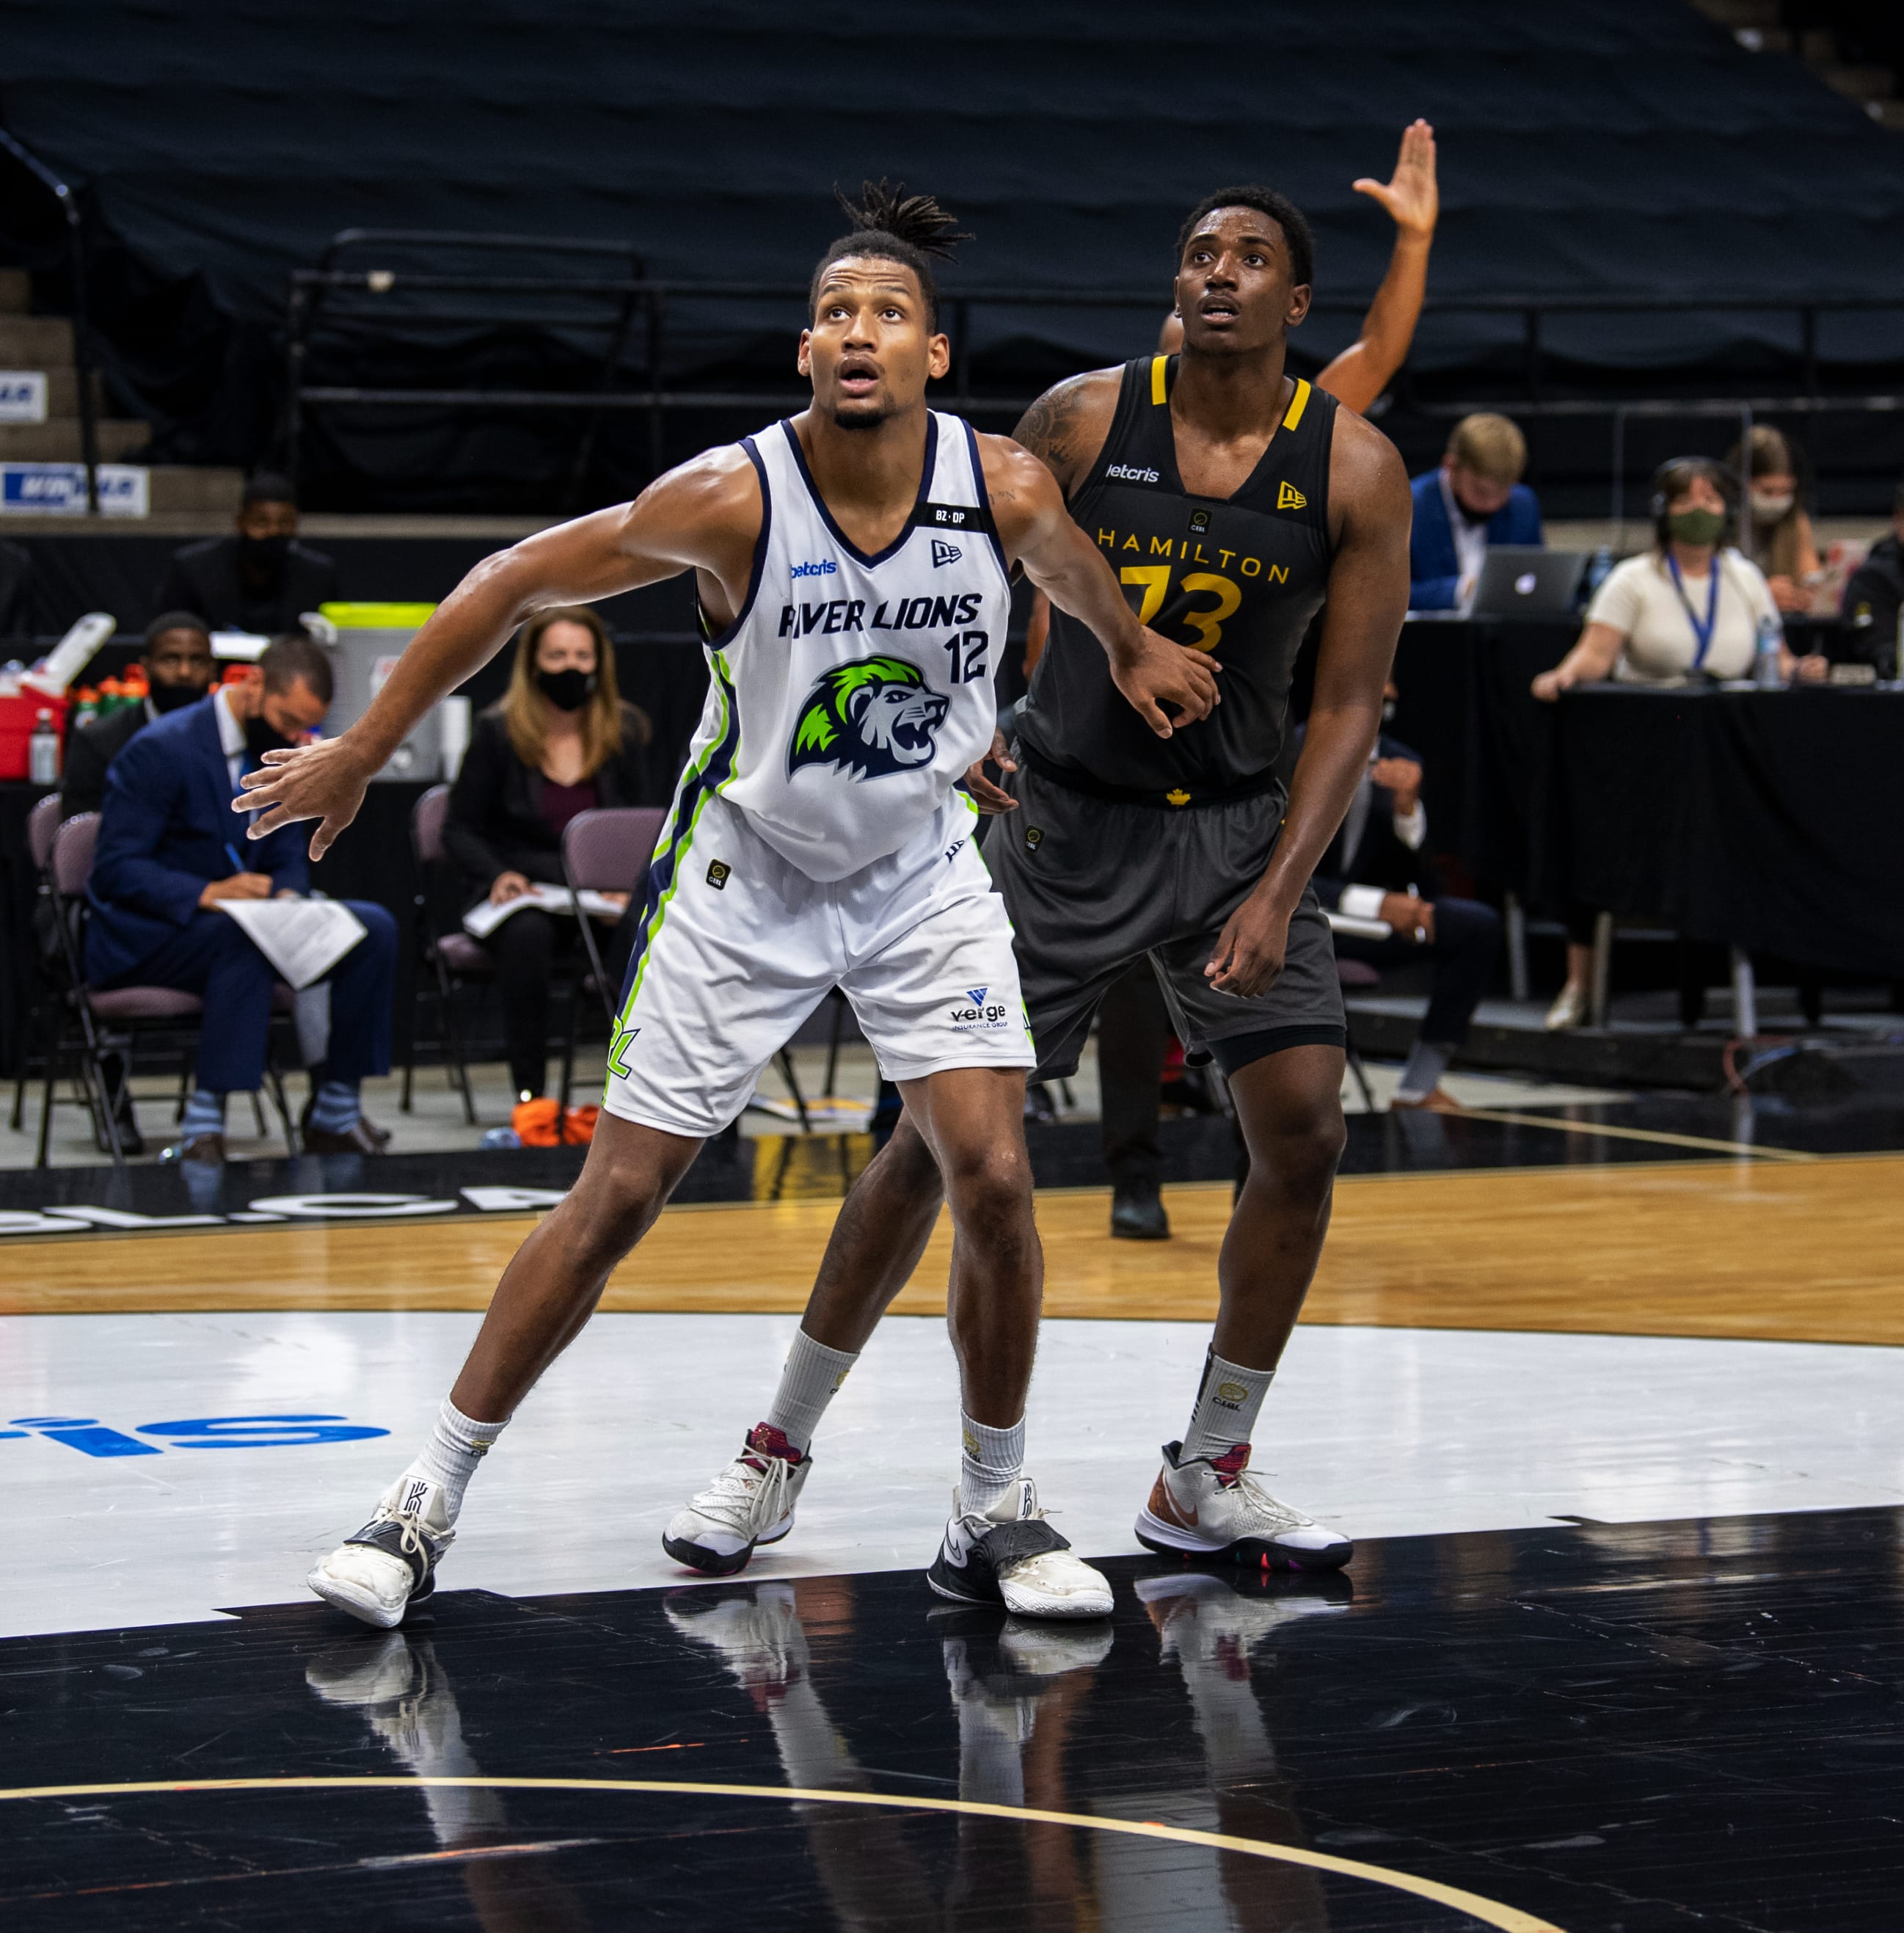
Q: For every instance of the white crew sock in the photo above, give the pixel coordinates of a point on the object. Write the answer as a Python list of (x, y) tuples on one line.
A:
[(1227, 1400), (1426, 1065), (810, 1381), (448, 1460), (990, 1465)]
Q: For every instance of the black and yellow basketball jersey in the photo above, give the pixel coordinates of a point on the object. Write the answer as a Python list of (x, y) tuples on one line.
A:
[(1240, 577)]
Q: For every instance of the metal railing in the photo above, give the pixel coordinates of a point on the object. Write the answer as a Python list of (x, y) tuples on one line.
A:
[(69, 209), (657, 302)]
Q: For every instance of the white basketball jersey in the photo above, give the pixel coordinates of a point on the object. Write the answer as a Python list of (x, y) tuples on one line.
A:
[(852, 692)]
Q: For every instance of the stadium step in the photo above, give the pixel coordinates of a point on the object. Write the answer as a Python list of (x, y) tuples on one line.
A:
[(15, 292), (178, 490), (57, 441)]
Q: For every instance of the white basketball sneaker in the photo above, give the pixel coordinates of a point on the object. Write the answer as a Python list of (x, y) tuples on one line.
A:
[(391, 1564), (1009, 1555), (750, 1502), (1210, 1507)]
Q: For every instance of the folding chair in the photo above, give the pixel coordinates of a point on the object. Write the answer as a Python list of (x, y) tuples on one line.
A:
[(42, 822), (453, 959), (608, 851), (1357, 973), (132, 1009)]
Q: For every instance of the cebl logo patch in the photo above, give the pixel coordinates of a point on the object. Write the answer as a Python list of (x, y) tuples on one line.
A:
[(943, 553), (719, 872)]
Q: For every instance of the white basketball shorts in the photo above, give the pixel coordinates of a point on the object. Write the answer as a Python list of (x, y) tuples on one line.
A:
[(741, 947)]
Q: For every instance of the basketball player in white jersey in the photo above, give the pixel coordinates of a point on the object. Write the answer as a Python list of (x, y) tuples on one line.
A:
[(850, 565)]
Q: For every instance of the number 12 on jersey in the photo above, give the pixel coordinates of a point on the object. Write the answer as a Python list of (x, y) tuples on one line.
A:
[(967, 652)]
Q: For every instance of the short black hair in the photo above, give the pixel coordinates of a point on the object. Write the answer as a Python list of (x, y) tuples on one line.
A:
[(268, 486), (888, 222), (294, 656), (1296, 231), (176, 620)]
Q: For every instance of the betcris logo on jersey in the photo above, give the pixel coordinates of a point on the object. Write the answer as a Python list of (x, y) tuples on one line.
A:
[(825, 567), (1132, 473), (872, 718)]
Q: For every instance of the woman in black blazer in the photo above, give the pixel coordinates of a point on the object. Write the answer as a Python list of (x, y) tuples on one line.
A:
[(559, 742)]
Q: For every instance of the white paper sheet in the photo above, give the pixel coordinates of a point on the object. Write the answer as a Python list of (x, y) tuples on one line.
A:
[(303, 939), (1360, 929), (481, 920)]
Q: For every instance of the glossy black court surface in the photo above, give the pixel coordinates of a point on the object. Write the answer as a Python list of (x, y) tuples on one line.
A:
[(1622, 1729)]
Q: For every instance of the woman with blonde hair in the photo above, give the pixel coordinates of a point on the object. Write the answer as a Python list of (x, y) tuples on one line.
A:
[(1781, 542), (559, 741)]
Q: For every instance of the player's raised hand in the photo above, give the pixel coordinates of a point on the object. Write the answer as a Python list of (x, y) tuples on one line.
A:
[(325, 781), (1410, 195), (989, 798), (1155, 672)]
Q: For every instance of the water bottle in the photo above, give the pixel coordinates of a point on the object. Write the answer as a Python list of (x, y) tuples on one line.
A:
[(1599, 568), (43, 752), (1765, 672)]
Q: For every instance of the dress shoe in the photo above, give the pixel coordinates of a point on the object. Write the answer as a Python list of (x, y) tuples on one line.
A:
[(131, 1141), (1138, 1212), (208, 1148), (360, 1138), (380, 1135), (1436, 1101), (1569, 1010)]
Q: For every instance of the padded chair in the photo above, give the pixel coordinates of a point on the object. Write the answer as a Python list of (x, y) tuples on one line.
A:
[(452, 960), (130, 1010), (42, 822)]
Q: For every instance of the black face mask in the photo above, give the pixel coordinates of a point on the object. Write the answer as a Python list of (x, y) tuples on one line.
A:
[(567, 690), (173, 697), (263, 557), (261, 737)]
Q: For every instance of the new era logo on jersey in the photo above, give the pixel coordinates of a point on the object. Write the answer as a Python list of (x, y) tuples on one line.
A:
[(1132, 473), (943, 553), (1289, 498), (826, 567)]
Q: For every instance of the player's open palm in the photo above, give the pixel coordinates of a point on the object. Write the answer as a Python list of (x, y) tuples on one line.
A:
[(325, 782), (1156, 673), (1410, 194)]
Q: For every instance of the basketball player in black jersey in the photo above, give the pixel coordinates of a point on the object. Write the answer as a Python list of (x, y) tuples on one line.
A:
[(1235, 502)]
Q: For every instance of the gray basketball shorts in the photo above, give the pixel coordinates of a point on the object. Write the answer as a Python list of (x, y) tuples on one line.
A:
[(1092, 886)]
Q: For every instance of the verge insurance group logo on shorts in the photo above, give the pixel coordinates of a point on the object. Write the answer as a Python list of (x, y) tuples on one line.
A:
[(977, 1015)]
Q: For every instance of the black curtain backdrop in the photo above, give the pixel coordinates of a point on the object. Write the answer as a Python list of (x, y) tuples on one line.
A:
[(1588, 145)]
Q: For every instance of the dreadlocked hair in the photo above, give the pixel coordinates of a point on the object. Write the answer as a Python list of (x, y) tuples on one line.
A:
[(910, 229)]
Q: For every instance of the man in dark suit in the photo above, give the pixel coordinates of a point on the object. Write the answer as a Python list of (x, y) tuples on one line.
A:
[(262, 579), (1474, 499), (1378, 869), (169, 853), (179, 669)]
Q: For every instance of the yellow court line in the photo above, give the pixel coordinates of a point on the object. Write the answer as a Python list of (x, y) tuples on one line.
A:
[(1658, 1134), (1490, 1912)]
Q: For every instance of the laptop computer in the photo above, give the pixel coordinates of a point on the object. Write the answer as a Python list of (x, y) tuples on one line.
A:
[(1525, 581)]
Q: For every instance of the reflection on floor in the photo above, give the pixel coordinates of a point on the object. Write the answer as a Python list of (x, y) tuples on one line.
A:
[(1637, 1727), (181, 1482)]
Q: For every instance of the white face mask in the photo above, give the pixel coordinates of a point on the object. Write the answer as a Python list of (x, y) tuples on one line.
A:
[(1768, 507)]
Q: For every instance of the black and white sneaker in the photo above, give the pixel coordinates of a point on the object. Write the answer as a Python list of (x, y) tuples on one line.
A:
[(1009, 1555), (390, 1566)]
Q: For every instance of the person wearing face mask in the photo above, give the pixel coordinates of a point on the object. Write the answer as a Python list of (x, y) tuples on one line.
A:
[(260, 578), (1782, 544), (560, 741), (1689, 607), (1475, 498), (166, 859), (179, 669)]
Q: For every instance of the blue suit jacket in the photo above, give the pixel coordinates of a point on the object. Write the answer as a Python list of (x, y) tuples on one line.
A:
[(163, 831), (1433, 568)]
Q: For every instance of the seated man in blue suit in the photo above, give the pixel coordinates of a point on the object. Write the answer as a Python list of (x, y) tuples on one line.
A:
[(165, 859), (1378, 868), (1474, 499)]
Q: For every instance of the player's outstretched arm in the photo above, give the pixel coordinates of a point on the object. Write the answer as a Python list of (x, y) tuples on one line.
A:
[(1368, 598), (704, 516), (1036, 529)]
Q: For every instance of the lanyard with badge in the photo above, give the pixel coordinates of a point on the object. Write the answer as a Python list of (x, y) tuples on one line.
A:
[(1702, 632)]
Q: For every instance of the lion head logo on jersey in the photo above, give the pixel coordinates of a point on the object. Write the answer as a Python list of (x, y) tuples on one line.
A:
[(876, 717)]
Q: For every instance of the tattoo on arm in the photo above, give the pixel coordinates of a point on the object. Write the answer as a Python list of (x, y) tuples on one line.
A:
[(1050, 428)]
